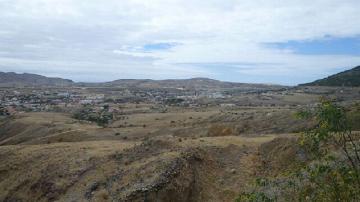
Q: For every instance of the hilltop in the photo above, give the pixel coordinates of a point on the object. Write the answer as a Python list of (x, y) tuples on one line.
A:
[(192, 83), (349, 78), (11, 79)]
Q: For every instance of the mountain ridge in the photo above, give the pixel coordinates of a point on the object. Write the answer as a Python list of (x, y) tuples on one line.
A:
[(26, 79), (348, 78), (11, 79)]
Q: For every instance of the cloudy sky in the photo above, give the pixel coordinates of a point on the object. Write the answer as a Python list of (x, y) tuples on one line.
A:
[(263, 41)]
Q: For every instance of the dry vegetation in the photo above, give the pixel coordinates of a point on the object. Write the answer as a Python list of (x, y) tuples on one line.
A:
[(208, 154)]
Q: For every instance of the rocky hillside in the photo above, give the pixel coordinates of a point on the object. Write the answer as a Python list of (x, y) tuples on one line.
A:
[(11, 79), (350, 78)]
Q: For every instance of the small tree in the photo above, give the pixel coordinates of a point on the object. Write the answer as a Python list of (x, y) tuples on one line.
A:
[(334, 171), (333, 129)]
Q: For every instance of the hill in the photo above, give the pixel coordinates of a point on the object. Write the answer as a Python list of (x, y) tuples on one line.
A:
[(349, 78), (192, 83), (62, 167), (11, 79)]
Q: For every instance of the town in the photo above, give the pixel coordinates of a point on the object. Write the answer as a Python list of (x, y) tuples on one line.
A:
[(64, 100)]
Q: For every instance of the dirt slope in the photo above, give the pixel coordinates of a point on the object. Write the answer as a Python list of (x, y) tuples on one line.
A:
[(51, 157), (45, 128), (159, 169)]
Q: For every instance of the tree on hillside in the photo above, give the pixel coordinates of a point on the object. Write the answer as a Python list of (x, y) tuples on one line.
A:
[(333, 170)]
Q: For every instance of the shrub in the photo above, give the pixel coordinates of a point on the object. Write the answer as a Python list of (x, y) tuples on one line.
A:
[(102, 117), (332, 175)]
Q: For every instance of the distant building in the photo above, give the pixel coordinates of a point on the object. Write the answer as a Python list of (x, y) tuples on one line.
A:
[(227, 105)]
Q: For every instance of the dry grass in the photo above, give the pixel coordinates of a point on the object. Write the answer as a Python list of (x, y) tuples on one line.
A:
[(45, 171), (68, 171), (50, 156)]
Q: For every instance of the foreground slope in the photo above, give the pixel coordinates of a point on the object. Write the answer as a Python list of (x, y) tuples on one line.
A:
[(161, 169), (49, 157)]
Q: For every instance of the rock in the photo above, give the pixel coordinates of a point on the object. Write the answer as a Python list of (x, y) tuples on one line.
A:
[(90, 192)]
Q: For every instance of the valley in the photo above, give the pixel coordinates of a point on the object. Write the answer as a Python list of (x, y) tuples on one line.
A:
[(195, 143)]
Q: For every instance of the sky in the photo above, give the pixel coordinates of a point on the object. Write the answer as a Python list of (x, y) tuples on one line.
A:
[(254, 41)]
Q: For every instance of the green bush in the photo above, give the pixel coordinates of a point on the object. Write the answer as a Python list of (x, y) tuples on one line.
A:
[(102, 117), (334, 171), (353, 116)]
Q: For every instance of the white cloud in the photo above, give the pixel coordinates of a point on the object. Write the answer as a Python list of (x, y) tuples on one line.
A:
[(108, 36)]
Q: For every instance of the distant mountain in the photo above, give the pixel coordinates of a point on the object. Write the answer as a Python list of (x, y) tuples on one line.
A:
[(193, 83), (350, 78), (11, 79)]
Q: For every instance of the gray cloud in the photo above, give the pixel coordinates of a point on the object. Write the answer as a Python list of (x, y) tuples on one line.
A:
[(101, 40)]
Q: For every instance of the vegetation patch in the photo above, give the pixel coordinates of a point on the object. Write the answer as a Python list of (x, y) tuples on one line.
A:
[(333, 174), (100, 116)]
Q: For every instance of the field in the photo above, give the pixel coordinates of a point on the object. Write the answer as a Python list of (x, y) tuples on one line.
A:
[(209, 153)]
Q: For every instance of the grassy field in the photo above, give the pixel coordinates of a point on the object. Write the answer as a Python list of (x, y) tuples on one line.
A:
[(211, 153)]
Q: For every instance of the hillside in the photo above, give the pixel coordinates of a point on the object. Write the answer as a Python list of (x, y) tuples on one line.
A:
[(192, 83), (350, 78), (163, 168), (208, 153), (11, 79)]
